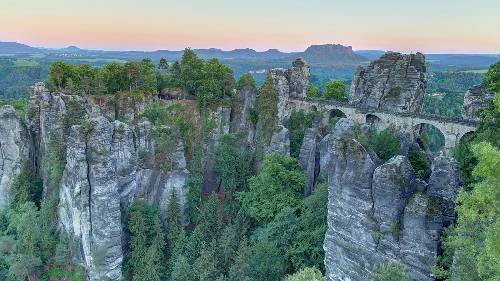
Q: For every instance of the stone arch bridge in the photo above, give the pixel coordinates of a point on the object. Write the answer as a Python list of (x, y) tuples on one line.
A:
[(452, 129)]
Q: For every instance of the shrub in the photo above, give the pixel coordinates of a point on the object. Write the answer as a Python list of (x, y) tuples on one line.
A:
[(394, 92), (297, 124), (307, 274), (313, 92), (420, 164), (335, 90), (390, 272)]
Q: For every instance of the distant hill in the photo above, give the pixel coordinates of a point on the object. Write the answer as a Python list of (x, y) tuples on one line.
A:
[(331, 54), (15, 48), (71, 49)]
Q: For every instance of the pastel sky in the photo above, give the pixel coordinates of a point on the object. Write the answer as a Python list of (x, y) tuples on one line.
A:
[(432, 26)]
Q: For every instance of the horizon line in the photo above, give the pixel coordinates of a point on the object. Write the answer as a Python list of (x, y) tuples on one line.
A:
[(259, 50)]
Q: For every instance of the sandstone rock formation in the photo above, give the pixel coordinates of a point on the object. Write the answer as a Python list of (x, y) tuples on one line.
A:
[(288, 83), (280, 78), (14, 150), (299, 78), (475, 100), (381, 213), (395, 82), (221, 122), (309, 159), (280, 142), (107, 164), (242, 123)]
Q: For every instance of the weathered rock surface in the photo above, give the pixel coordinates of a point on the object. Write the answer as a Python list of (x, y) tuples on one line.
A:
[(15, 146), (90, 199), (395, 82), (108, 165), (393, 184), (349, 243), (242, 123), (280, 142), (421, 234), (221, 119), (309, 159), (444, 184), (281, 78), (288, 83), (299, 78), (325, 160), (380, 213), (475, 100)]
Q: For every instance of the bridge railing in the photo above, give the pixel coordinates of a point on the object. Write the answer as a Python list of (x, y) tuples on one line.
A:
[(370, 110)]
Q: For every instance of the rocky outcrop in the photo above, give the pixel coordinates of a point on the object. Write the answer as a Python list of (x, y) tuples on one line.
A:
[(392, 185), (349, 240), (280, 142), (220, 121), (288, 83), (90, 199), (15, 147), (421, 234), (309, 159), (107, 165), (395, 82), (325, 156), (299, 78), (382, 213), (281, 78), (475, 100), (444, 184), (243, 127)]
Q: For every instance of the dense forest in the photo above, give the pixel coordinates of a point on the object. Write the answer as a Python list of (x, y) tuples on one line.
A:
[(261, 227)]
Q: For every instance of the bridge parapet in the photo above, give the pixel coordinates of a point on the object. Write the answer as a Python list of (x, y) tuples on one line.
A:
[(453, 129), (371, 110)]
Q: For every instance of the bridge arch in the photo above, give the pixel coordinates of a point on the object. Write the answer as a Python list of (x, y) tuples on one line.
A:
[(336, 113), (375, 122), (431, 137), (464, 136), (333, 115)]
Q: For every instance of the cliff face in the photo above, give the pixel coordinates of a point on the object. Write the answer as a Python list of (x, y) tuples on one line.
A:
[(395, 82), (376, 214), (15, 144), (476, 99), (107, 164)]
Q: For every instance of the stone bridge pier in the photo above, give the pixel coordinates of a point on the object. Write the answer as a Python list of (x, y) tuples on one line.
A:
[(452, 129)]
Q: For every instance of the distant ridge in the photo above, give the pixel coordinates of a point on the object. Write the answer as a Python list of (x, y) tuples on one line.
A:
[(331, 54), (15, 48)]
